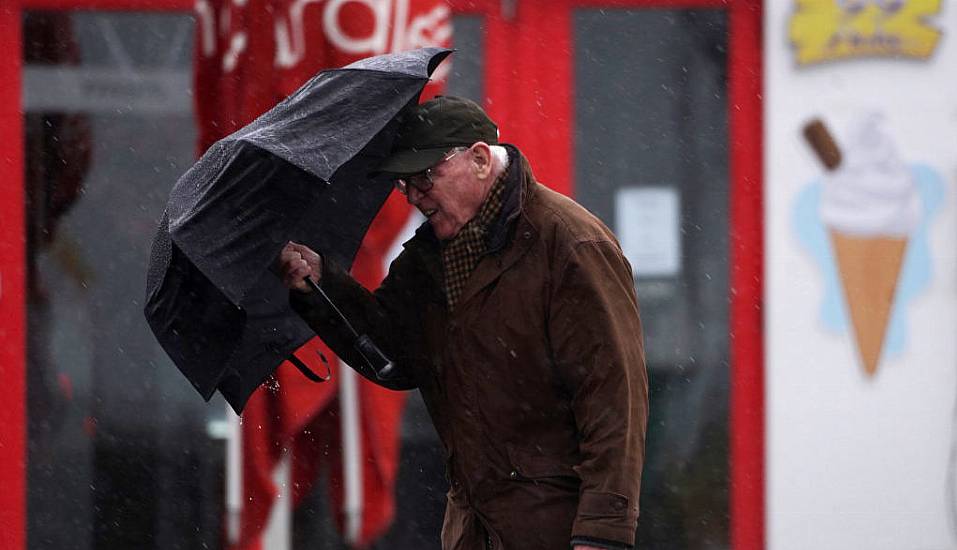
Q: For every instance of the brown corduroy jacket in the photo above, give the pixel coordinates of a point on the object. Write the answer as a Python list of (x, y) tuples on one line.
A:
[(536, 383)]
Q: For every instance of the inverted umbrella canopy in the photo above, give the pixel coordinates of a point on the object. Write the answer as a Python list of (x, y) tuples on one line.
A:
[(300, 172)]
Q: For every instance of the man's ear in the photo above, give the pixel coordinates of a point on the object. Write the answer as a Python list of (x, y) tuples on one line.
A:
[(481, 158)]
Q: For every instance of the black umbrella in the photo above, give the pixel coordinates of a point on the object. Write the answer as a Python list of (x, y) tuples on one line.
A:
[(300, 172)]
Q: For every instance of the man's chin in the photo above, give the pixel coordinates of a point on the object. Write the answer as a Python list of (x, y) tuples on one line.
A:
[(443, 231)]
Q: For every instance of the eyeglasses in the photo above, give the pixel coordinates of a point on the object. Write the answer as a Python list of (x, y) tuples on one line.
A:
[(423, 180)]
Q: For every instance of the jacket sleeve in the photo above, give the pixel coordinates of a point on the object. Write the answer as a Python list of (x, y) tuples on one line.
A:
[(596, 338), (385, 316)]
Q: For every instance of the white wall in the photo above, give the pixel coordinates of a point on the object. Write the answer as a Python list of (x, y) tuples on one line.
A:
[(857, 461)]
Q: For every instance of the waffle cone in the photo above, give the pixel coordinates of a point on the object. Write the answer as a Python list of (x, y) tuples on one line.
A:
[(869, 268)]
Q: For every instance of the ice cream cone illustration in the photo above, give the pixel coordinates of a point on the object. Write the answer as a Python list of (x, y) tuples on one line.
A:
[(870, 206), (869, 268)]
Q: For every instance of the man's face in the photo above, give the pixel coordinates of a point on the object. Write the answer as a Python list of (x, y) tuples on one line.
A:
[(455, 197)]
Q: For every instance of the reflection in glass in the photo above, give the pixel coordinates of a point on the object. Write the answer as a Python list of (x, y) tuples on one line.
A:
[(57, 151), (117, 455)]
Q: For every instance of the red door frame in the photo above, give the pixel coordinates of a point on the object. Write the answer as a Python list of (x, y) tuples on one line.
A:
[(12, 295), (529, 83)]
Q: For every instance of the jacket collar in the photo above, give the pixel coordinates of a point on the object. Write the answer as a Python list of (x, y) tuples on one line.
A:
[(515, 184)]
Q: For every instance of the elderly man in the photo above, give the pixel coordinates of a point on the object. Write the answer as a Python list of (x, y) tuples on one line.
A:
[(514, 312)]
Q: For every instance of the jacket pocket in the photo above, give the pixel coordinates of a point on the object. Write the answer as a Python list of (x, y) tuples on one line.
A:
[(532, 465)]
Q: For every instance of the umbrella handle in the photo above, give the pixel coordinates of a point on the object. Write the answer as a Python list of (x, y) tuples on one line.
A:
[(381, 365), (374, 357)]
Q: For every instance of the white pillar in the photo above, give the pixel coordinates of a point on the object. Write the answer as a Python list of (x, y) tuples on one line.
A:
[(351, 452), (234, 475), (278, 533)]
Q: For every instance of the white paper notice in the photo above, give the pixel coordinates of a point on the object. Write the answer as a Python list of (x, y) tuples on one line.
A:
[(647, 220)]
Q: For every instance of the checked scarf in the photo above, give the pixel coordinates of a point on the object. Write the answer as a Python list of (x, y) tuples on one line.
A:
[(462, 253)]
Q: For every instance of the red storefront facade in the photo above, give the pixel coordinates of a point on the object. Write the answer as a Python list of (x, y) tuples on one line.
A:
[(529, 83)]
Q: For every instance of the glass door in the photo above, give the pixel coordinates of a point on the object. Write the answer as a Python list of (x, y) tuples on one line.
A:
[(117, 450), (651, 160)]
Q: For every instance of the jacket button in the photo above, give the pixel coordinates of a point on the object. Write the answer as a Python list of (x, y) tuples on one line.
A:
[(619, 505), (513, 474), (527, 235)]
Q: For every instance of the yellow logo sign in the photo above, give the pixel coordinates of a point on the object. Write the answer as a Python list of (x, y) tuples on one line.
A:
[(828, 30)]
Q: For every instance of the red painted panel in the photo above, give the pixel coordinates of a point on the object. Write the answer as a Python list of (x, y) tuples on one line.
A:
[(529, 86), (498, 70), (12, 302), (747, 288), (550, 100), (461, 7), (110, 5), (645, 4)]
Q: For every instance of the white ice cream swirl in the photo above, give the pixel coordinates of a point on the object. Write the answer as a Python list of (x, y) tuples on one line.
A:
[(872, 192)]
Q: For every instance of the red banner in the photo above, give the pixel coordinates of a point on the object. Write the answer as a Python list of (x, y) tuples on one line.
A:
[(250, 54)]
